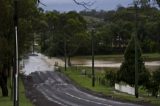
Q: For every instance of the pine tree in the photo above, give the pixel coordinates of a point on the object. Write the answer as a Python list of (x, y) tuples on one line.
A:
[(127, 70)]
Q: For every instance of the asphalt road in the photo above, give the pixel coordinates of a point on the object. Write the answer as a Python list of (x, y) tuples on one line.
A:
[(46, 87)]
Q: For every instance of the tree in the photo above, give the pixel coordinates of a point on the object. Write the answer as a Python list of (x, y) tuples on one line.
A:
[(158, 2), (127, 70), (149, 2), (26, 11), (6, 42), (120, 32), (111, 76), (75, 36), (153, 85), (66, 27), (103, 42), (120, 23), (5, 51)]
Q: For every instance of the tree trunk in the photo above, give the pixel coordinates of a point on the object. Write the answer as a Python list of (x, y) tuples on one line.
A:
[(4, 87), (155, 92), (3, 80), (69, 61)]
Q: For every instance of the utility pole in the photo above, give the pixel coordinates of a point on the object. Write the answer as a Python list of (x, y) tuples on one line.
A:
[(65, 53), (136, 51), (33, 44), (93, 74), (16, 61)]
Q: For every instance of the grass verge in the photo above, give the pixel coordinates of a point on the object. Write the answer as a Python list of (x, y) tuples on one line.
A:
[(86, 82), (23, 101)]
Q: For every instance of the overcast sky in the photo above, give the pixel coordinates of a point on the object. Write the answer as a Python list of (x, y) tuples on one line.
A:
[(68, 5)]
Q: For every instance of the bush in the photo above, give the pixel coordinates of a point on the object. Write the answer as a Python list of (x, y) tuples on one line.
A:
[(154, 84), (103, 81), (110, 76)]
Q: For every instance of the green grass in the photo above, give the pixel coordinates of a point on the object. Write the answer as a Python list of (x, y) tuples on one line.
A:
[(119, 58), (151, 57), (23, 101), (83, 81)]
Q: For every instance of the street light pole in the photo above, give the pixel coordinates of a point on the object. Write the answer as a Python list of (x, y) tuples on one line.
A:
[(65, 53), (16, 61), (93, 74), (33, 49), (136, 51)]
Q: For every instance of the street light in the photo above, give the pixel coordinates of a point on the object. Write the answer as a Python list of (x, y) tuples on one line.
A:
[(93, 73), (16, 61), (65, 54), (136, 52)]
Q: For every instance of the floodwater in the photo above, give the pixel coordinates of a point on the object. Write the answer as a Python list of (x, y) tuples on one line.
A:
[(35, 63), (112, 64)]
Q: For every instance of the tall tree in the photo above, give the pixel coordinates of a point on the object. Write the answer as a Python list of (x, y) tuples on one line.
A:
[(6, 40), (66, 27), (127, 70)]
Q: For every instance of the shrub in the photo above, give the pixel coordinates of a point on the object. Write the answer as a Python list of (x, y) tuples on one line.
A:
[(110, 76), (154, 84)]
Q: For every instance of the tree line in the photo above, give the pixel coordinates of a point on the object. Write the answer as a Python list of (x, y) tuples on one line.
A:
[(112, 31)]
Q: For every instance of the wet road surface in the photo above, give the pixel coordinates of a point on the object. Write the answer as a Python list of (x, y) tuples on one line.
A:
[(46, 87)]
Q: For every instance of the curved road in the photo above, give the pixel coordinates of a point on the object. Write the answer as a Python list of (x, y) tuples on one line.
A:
[(46, 87)]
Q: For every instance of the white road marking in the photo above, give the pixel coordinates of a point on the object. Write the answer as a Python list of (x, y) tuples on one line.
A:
[(60, 100), (87, 100), (50, 99)]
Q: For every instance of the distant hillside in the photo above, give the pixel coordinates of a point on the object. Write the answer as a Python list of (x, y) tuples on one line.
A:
[(91, 19)]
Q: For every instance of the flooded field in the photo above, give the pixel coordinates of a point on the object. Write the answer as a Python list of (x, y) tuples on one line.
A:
[(110, 64)]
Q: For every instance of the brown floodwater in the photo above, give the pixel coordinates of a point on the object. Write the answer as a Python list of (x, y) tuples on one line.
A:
[(102, 63)]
